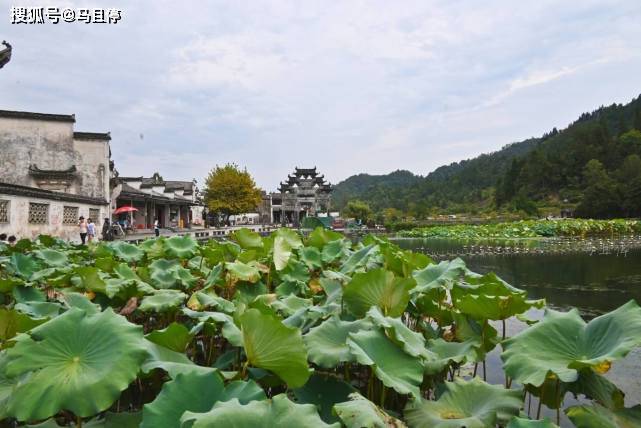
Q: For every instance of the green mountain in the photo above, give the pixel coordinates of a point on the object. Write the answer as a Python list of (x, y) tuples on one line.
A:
[(596, 156)]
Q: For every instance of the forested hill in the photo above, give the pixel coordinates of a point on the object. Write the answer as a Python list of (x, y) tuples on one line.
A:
[(597, 153)]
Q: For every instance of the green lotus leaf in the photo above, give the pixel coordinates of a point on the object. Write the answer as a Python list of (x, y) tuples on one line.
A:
[(39, 310), (442, 275), (326, 343), (153, 248), (285, 240), (47, 240), (450, 352), (468, 329), (22, 265), (359, 412), (598, 388), (277, 412), (359, 259), (243, 272), (272, 346), (88, 278), (116, 420), (76, 362), (391, 364), (13, 322), (193, 392), (174, 363), (105, 264), (165, 274), (182, 247), (230, 331), (27, 294), (208, 299), (175, 337), (290, 304), (124, 289), (334, 250), (324, 392), (7, 284), (127, 252), (413, 343), (311, 256), (377, 288), (295, 271), (52, 258), (215, 276), (247, 239), (562, 344), (162, 301), (600, 417), (80, 301), (517, 422), (470, 404), (321, 236)]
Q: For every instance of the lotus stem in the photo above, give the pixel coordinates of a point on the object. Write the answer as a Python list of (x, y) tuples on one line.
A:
[(476, 366), (78, 421), (503, 321), (558, 400), (383, 389), (484, 371)]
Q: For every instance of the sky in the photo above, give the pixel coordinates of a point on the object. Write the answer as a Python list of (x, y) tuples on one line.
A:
[(347, 86)]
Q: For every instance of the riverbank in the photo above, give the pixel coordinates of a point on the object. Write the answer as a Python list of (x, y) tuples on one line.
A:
[(530, 229)]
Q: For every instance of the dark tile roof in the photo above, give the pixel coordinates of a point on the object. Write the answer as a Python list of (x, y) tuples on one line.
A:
[(38, 116), (92, 136), (34, 192)]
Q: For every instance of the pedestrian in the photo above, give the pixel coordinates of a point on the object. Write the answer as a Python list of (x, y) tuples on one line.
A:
[(91, 230), (157, 227), (3, 238), (82, 228), (12, 240), (107, 233)]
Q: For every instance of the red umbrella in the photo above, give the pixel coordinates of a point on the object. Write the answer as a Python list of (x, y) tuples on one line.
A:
[(125, 210)]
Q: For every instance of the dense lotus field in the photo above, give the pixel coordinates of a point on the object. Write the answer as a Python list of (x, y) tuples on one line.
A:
[(530, 229), (285, 331)]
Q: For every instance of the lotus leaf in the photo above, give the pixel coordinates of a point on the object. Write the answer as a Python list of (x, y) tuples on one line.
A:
[(562, 344), (77, 362), (162, 301), (127, 252), (182, 247), (334, 250), (208, 299), (175, 337), (311, 256), (88, 278), (359, 412), (285, 241), (52, 258), (517, 422), (7, 284), (600, 417), (391, 364), (326, 343), (22, 265), (13, 322), (39, 310), (321, 236), (230, 331), (174, 363), (153, 248), (240, 271), (377, 288), (194, 392), (359, 258), (470, 404), (275, 347), (277, 412), (247, 239), (324, 392), (450, 352), (413, 343), (442, 275)]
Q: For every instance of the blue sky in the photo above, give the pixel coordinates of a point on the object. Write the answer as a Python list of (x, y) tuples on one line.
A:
[(347, 86)]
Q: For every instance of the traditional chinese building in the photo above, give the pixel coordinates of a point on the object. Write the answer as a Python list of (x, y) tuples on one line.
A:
[(303, 194), (50, 175), (173, 203)]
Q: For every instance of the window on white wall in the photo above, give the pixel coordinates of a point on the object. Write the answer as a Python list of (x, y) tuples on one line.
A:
[(4, 211), (70, 215), (94, 214), (38, 213)]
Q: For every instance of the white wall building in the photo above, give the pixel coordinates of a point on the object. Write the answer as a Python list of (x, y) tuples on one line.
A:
[(51, 175)]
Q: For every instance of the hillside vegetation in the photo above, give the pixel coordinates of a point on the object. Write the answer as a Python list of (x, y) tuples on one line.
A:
[(593, 167)]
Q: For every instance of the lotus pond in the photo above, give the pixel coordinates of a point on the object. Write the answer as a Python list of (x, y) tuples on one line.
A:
[(284, 331)]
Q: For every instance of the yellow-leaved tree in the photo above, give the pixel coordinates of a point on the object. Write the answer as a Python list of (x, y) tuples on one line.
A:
[(230, 191)]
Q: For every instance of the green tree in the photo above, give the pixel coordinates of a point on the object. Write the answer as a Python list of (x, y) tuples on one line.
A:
[(392, 215), (601, 196), (229, 191), (358, 210), (629, 177)]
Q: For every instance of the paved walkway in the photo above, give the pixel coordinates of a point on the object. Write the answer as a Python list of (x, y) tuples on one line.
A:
[(199, 233)]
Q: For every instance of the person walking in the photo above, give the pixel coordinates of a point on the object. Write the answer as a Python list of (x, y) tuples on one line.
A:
[(91, 230), (82, 227), (157, 227), (107, 233)]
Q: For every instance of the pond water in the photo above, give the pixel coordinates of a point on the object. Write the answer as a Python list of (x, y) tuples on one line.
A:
[(594, 276)]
